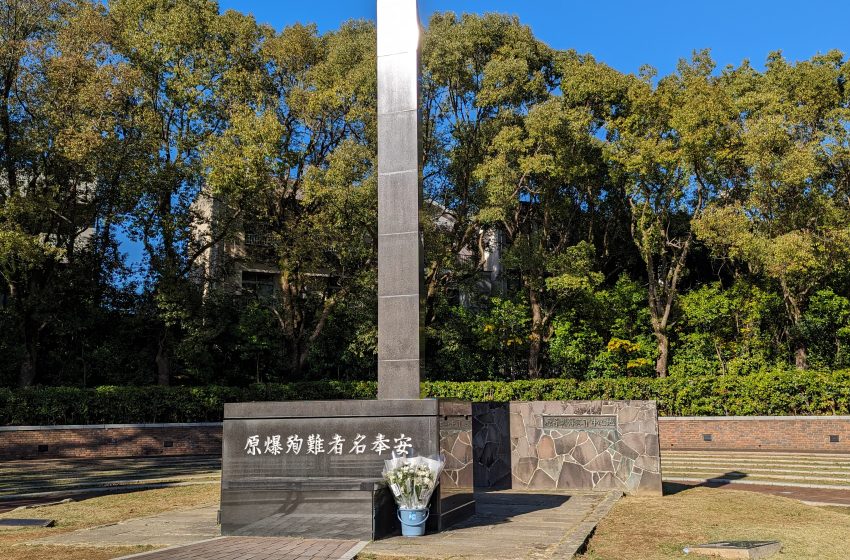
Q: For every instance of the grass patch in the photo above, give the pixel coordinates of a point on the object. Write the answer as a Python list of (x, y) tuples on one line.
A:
[(659, 528), (94, 512)]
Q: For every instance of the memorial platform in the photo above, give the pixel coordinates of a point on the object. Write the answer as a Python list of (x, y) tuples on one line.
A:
[(313, 468)]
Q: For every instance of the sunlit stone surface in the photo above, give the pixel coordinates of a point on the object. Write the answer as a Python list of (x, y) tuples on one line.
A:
[(400, 262), (568, 445)]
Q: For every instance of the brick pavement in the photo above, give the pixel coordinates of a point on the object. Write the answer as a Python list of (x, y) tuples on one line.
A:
[(813, 496), (257, 548)]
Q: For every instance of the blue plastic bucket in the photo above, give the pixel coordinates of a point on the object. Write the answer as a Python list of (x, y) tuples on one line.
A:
[(413, 521)]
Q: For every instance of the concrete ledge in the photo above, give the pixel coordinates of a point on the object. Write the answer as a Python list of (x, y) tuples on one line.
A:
[(332, 409), (176, 425), (750, 418), (576, 541)]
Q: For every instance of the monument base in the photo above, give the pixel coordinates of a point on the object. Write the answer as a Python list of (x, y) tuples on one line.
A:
[(314, 468)]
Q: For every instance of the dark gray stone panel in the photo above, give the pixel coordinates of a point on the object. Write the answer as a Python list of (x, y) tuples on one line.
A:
[(399, 270), (398, 379), (491, 445), (336, 493), (264, 511), (398, 142), (398, 328), (366, 443), (398, 203)]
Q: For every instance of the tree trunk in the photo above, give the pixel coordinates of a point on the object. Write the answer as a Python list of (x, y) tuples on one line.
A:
[(163, 364), (431, 287), (536, 346), (6, 125), (794, 307), (295, 357), (29, 338), (534, 350), (663, 354), (28, 371), (800, 357)]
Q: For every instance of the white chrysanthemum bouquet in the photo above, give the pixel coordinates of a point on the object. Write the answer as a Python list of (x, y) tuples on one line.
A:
[(413, 479)]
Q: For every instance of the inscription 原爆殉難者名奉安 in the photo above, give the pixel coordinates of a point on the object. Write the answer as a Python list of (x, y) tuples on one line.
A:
[(318, 445), (606, 422)]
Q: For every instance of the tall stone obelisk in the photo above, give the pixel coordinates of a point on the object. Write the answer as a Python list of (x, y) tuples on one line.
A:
[(400, 262)]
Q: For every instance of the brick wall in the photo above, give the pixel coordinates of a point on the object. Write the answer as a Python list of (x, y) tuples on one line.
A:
[(778, 433), (769, 433), (112, 440)]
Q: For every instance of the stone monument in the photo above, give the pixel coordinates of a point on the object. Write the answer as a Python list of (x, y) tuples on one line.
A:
[(400, 264), (568, 445), (313, 469)]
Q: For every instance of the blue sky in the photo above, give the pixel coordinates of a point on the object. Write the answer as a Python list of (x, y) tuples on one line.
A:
[(624, 34)]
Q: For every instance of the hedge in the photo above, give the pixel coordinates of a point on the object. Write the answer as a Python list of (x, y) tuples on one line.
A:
[(767, 393)]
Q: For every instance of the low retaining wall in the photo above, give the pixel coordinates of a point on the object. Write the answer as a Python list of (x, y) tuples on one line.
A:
[(548, 445), (829, 434), (109, 440), (724, 433)]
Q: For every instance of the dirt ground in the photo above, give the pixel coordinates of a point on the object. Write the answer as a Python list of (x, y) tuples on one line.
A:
[(659, 528), (102, 510)]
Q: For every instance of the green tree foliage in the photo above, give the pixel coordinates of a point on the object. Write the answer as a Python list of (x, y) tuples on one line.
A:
[(675, 145), (579, 223), (788, 220), (59, 145)]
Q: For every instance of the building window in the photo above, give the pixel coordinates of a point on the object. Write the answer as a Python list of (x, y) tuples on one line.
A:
[(261, 284)]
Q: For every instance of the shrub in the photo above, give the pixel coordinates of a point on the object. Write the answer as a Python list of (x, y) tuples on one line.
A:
[(775, 392)]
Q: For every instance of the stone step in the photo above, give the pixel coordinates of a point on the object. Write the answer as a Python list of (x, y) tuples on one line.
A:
[(673, 474), (754, 454), (748, 469), (756, 482), (757, 464), (756, 459)]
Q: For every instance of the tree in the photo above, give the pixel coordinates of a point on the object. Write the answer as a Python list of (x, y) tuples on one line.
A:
[(305, 151), (674, 145), (789, 220), (191, 64), (61, 100), (480, 73), (536, 177)]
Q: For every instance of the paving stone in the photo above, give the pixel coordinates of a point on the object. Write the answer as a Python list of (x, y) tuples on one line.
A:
[(257, 548), (167, 529), (510, 525)]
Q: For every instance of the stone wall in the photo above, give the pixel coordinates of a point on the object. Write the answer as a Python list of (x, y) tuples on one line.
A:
[(584, 445), (622, 455), (455, 424), (491, 442), (110, 440), (757, 433)]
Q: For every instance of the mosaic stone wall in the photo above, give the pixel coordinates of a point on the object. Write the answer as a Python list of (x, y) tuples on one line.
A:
[(616, 447), (626, 457), (456, 444)]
